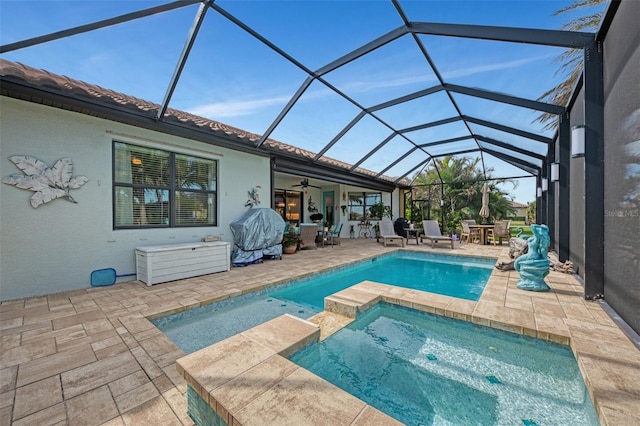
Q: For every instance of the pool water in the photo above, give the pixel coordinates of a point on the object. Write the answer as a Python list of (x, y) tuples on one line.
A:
[(458, 276), (427, 370)]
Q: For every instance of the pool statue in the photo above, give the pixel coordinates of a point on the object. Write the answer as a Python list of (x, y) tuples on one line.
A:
[(534, 265)]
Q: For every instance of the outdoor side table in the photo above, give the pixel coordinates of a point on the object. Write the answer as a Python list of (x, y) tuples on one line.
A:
[(412, 233)]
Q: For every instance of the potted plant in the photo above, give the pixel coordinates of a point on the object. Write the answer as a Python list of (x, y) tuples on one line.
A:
[(316, 217), (379, 211), (290, 242), (451, 228)]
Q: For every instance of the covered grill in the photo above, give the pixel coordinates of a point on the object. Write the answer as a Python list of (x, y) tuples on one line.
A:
[(257, 235)]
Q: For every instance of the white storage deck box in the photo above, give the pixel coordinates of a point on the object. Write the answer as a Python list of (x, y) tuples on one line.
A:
[(158, 264)]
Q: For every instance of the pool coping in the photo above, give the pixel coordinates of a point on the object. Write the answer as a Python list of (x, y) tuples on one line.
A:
[(343, 307), (116, 367), (161, 313), (261, 386)]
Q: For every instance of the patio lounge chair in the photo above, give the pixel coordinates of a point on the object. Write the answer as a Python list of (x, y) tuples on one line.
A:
[(388, 234), (308, 233), (432, 232)]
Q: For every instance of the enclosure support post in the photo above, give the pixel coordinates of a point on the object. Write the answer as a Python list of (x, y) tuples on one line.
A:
[(551, 203), (442, 205), (564, 157), (594, 171), (544, 218), (538, 200)]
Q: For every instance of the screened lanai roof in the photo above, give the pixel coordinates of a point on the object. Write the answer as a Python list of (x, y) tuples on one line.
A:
[(373, 88)]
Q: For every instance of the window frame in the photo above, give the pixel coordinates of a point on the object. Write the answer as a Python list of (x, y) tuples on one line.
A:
[(366, 207), (288, 194), (172, 188)]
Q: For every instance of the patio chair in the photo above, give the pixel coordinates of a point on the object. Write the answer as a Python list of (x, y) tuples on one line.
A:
[(500, 231), (308, 233), (333, 234), (388, 234), (432, 232), (468, 233)]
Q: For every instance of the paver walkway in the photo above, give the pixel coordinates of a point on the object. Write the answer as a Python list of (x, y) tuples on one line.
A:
[(91, 357)]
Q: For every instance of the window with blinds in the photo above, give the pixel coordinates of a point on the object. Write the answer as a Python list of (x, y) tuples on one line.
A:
[(156, 188)]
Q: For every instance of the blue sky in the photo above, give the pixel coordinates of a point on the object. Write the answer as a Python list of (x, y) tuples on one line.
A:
[(233, 78)]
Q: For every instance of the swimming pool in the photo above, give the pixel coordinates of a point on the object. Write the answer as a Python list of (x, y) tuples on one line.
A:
[(423, 369), (458, 276)]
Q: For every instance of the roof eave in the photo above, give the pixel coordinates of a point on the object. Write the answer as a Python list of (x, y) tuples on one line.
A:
[(130, 114)]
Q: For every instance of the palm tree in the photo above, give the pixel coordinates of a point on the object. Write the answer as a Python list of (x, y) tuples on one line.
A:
[(531, 212), (462, 191), (571, 60)]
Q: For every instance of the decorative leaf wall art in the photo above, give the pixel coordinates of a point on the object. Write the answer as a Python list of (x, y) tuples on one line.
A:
[(46, 183)]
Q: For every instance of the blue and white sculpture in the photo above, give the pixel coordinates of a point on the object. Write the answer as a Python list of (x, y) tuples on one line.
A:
[(534, 265)]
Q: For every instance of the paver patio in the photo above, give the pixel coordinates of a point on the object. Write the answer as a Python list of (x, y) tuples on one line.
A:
[(91, 357)]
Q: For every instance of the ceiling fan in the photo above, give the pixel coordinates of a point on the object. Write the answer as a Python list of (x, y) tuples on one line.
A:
[(304, 183)]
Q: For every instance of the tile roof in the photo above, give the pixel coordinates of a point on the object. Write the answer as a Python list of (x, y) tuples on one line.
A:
[(140, 107), (517, 205)]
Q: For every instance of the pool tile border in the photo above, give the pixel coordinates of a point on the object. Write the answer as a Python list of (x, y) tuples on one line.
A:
[(343, 307), (114, 320), (287, 282), (497, 309)]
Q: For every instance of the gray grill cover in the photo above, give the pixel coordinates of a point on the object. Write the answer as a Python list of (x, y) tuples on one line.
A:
[(257, 234)]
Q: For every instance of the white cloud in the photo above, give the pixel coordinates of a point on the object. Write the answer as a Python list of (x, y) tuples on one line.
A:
[(365, 86), (250, 106), (492, 67), (236, 108)]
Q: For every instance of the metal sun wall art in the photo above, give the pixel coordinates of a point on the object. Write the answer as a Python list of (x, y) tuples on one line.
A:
[(46, 183), (254, 197)]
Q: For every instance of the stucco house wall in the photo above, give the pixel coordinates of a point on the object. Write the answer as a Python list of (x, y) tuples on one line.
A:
[(521, 209), (55, 247)]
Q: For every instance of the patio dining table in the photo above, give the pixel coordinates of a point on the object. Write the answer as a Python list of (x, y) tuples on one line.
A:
[(483, 231)]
